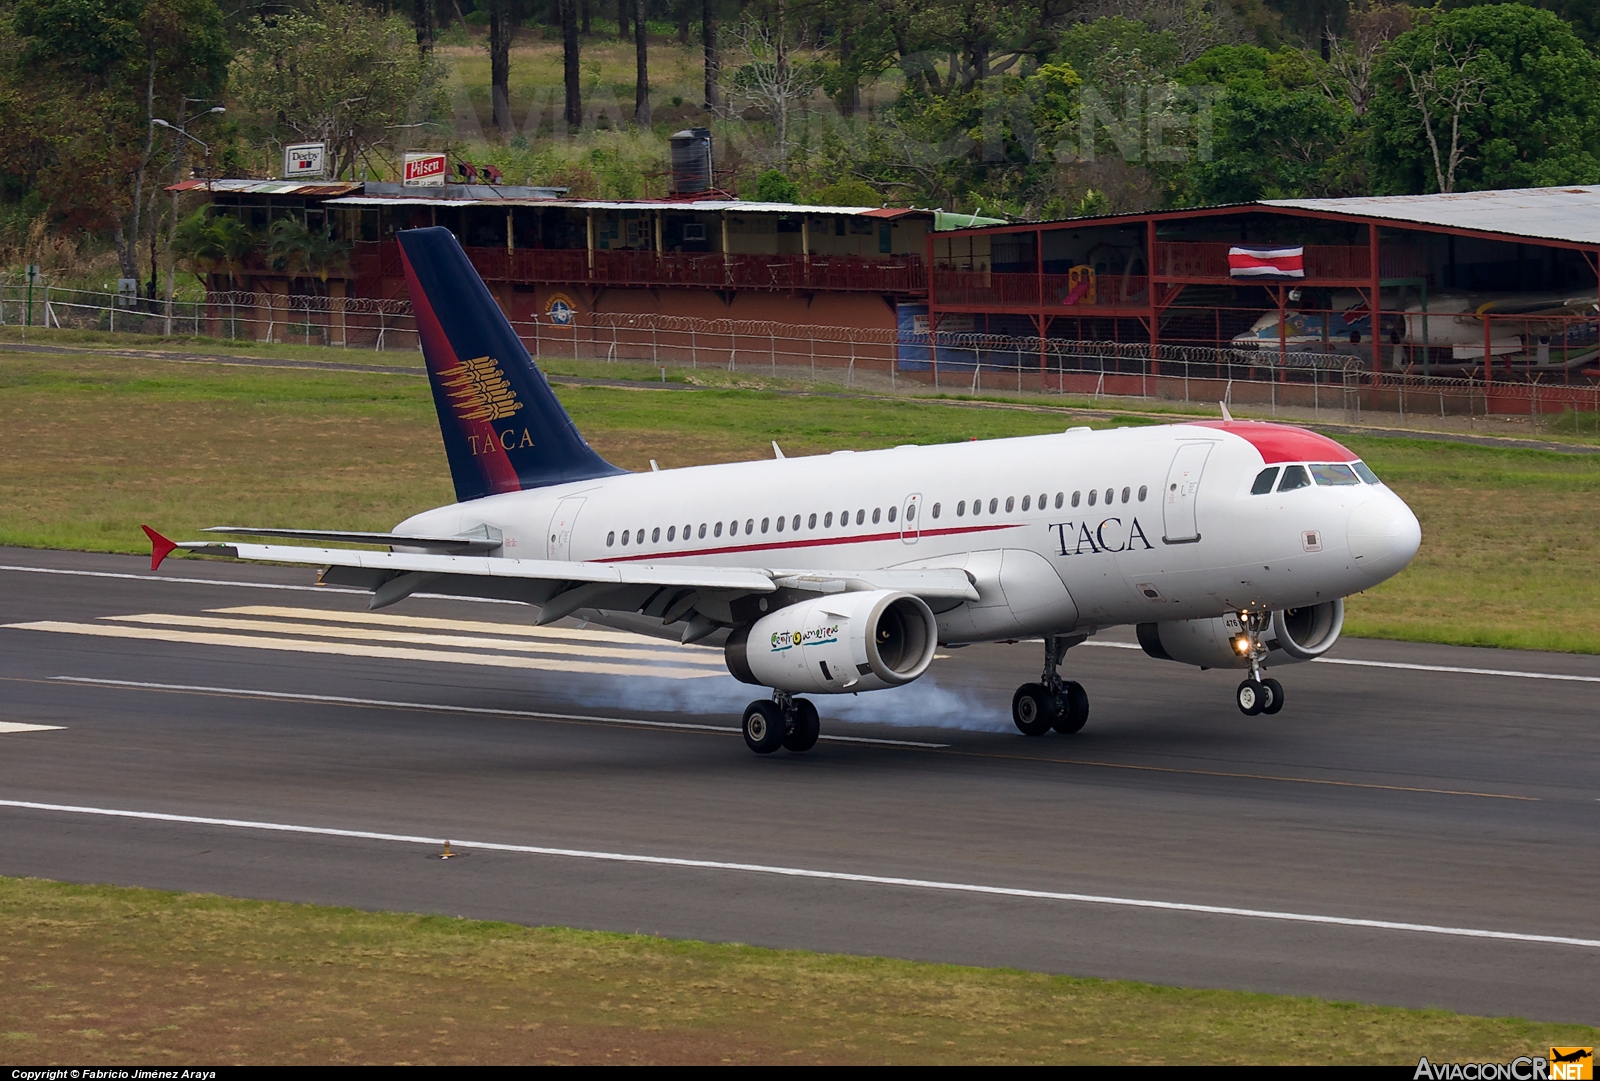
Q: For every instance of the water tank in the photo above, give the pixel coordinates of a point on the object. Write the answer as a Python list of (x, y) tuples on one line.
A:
[(691, 161)]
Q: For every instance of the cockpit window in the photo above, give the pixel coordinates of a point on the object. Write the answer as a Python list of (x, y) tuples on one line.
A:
[(1264, 480), (1334, 474), (1294, 476), (1364, 471)]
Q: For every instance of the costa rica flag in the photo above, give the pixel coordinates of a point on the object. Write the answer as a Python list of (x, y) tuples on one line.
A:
[(1267, 262)]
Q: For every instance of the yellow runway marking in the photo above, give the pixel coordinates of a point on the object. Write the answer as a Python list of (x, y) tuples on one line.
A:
[(353, 649), (372, 634)]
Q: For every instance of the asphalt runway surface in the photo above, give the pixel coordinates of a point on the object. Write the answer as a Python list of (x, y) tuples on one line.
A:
[(1417, 827)]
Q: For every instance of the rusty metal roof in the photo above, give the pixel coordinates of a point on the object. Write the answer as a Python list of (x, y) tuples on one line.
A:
[(269, 187)]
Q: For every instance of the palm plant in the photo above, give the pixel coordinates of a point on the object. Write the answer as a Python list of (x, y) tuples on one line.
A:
[(207, 243)]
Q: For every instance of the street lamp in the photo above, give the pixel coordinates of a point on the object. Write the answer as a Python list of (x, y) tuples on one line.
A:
[(181, 129)]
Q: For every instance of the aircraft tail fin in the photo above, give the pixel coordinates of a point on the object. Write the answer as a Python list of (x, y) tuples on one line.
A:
[(504, 430)]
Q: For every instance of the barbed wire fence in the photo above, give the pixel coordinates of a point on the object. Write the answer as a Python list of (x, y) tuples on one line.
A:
[(1315, 383)]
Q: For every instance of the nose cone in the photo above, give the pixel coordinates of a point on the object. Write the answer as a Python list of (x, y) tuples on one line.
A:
[(1384, 535)]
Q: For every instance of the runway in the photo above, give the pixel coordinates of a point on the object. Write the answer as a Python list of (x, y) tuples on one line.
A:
[(1417, 828)]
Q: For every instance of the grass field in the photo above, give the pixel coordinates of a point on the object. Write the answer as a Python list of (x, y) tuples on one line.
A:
[(92, 446), (97, 974)]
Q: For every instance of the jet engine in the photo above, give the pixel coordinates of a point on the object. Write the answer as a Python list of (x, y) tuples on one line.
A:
[(1292, 635), (841, 643)]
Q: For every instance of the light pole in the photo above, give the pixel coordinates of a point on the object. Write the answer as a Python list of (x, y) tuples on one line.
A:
[(177, 173)]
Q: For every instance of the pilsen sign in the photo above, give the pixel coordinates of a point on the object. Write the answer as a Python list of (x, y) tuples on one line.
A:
[(424, 170)]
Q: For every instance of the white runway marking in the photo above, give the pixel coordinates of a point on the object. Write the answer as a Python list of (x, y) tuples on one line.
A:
[(1410, 667), (356, 649), (663, 653), (16, 726), (831, 876), (467, 626), (435, 707)]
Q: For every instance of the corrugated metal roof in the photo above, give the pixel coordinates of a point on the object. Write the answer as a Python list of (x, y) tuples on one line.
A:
[(269, 187), (704, 206), (1568, 213)]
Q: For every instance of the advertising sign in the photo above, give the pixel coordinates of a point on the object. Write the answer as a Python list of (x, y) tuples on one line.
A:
[(424, 170), (308, 160)]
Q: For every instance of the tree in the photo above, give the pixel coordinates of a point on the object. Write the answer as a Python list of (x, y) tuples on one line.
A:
[(502, 25), (784, 72), (713, 57), (1500, 96), (1352, 56), (422, 19), (571, 74), (641, 51), (342, 75), (773, 187)]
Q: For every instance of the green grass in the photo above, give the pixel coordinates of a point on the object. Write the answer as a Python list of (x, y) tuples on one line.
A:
[(105, 975), (91, 446)]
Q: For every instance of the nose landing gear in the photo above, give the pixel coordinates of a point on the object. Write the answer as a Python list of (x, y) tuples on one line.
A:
[(1256, 695), (1052, 703), (787, 722)]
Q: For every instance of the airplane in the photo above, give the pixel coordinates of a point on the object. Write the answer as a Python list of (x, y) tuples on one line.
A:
[(1520, 323), (1226, 543)]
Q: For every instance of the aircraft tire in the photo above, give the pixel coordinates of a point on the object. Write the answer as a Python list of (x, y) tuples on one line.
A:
[(1073, 711), (763, 727), (1033, 709), (807, 726), (1251, 697), (1275, 696)]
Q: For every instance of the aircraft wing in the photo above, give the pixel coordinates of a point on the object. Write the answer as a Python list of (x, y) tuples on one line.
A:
[(706, 596)]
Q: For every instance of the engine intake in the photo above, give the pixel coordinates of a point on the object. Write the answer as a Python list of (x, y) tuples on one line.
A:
[(1293, 635), (839, 644)]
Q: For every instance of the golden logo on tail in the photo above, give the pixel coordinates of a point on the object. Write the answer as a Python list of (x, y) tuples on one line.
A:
[(479, 391)]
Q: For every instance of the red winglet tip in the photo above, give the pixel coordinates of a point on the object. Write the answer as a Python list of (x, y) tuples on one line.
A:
[(160, 547)]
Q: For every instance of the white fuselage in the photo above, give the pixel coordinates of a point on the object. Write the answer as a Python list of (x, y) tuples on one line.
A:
[(1074, 531)]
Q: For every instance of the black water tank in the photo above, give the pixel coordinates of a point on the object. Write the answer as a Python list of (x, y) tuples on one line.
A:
[(691, 161)]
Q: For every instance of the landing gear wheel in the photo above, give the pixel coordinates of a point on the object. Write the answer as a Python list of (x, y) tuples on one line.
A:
[(807, 725), (763, 727), (1033, 709), (1274, 691), (1073, 712), (1251, 696)]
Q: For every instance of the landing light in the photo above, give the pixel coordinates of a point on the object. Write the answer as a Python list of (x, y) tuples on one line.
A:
[(1242, 645)]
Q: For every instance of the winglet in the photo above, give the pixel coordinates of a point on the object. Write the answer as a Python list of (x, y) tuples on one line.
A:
[(160, 547), (777, 451), (1226, 416)]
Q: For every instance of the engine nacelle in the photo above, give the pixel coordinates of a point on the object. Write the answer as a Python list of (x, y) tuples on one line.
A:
[(1293, 635), (838, 644)]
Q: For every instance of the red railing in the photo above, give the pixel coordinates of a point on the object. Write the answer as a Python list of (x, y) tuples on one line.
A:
[(1347, 261), (901, 274), (970, 288)]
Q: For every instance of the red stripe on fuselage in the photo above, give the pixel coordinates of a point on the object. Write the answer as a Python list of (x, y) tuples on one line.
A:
[(816, 542)]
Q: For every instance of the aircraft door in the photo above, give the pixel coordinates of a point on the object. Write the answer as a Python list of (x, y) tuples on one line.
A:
[(911, 519), (1182, 489), (560, 533)]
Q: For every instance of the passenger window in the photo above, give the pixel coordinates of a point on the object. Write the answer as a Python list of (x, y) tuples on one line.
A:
[(780, 523), (961, 509), (717, 532), (1074, 499), (1011, 503), (994, 506), (936, 510), (1059, 497), (611, 538), (875, 515), (1125, 494), (625, 536), (827, 522), (1025, 500), (1365, 472), (811, 522), (765, 522), (703, 530), (1110, 492), (655, 535), (1264, 480), (1094, 494), (686, 531), (1143, 491), (891, 513), (1294, 476), (861, 516), (911, 512), (1334, 475), (749, 526), (640, 537), (672, 533), (796, 523)]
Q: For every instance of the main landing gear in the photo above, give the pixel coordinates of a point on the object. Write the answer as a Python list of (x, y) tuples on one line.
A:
[(787, 722), (1256, 695), (1052, 703)]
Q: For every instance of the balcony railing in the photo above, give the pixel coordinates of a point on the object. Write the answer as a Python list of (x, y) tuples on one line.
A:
[(976, 288), (824, 273), (1346, 261)]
